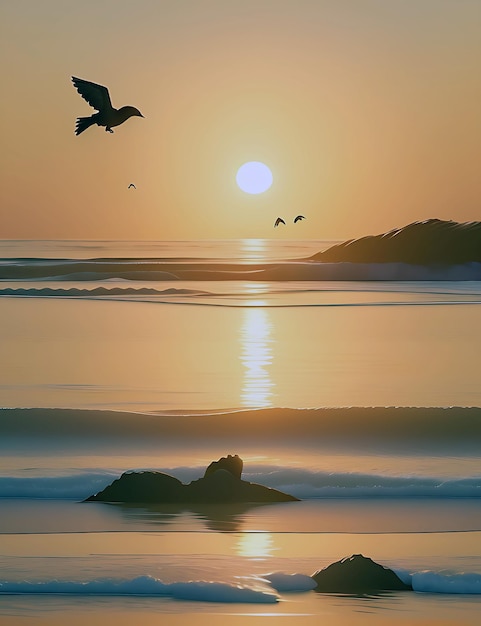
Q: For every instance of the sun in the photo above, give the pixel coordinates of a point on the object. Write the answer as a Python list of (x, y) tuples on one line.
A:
[(254, 177)]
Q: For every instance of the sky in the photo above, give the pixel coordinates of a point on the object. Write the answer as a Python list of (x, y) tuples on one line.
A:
[(367, 112)]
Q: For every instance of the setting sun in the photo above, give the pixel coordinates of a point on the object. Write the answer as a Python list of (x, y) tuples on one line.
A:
[(254, 177)]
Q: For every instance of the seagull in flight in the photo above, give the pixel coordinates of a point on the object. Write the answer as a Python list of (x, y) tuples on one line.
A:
[(279, 220), (299, 218), (98, 97), (131, 186)]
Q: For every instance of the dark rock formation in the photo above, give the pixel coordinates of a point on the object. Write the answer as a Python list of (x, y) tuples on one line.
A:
[(232, 464), (221, 484), (430, 242), (357, 574), (147, 487)]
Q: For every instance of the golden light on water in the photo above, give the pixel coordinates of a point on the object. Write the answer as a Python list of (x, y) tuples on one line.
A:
[(255, 289), (253, 249), (255, 545), (256, 357)]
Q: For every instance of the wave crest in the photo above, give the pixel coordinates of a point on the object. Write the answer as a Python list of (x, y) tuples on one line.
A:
[(197, 591), (429, 581), (303, 484), (462, 583)]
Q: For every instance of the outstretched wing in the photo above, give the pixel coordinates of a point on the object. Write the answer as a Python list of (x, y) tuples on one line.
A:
[(299, 218), (279, 220), (96, 95)]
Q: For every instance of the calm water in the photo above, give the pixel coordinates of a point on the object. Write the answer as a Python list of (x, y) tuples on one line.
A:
[(182, 352)]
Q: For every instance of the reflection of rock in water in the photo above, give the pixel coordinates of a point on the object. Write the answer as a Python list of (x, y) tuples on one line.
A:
[(215, 517), (225, 517), (220, 484), (357, 574), (156, 514)]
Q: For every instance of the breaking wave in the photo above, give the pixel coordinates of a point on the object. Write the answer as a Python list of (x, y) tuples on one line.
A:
[(442, 582), (303, 484), (264, 589), (300, 294), (123, 293), (307, 270), (197, 591), (450, 430)]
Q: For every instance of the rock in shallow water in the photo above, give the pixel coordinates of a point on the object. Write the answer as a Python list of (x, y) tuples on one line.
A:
[(357, 574), (221, 484)]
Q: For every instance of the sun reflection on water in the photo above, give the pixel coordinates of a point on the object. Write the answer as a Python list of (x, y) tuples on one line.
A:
[(253, 249), (256, 357), (255, 545)]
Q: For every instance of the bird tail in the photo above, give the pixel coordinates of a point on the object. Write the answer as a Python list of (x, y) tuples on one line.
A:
[(83, 123)]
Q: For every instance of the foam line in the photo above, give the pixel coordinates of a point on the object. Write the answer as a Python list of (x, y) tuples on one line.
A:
[(303, 484), (199, 591), (427, 581)]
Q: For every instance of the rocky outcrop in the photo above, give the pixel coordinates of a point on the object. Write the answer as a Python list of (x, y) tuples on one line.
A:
[(432, 241), (145, 487), (357, 574), (230, 463), (221, 484)]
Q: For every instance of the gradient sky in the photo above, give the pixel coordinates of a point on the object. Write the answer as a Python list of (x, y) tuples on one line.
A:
[(368, 113)]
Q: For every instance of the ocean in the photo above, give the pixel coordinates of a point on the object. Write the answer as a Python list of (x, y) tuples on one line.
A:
[(355, 388)]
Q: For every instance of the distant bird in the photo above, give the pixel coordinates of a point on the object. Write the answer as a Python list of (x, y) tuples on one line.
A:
[(299, 218), (279, 220), (98, 98), (131, 186)]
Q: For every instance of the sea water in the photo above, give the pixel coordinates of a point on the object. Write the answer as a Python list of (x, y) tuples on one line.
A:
[(360, 397)]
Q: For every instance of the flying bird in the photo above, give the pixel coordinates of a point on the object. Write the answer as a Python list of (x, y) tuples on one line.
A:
[(131, 186), (279, 220), (299, 218), (98, 97)]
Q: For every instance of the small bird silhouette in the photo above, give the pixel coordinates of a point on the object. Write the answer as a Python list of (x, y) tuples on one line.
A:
[(279, 220), (299, 218), (98, 97), (131, 186)]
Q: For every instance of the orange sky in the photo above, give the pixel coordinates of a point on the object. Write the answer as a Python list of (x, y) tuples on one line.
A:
[(368, 113)]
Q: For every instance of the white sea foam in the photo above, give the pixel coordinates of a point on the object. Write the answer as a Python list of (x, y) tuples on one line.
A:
[(303, 484), (428, 581), (75, 486), (310, 484), (462, 583), (200, 591), (289, 582)]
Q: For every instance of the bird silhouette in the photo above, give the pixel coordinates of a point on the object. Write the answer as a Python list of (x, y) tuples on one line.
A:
[(299, 218), (132, 186), (98, 97), (279, 220)]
